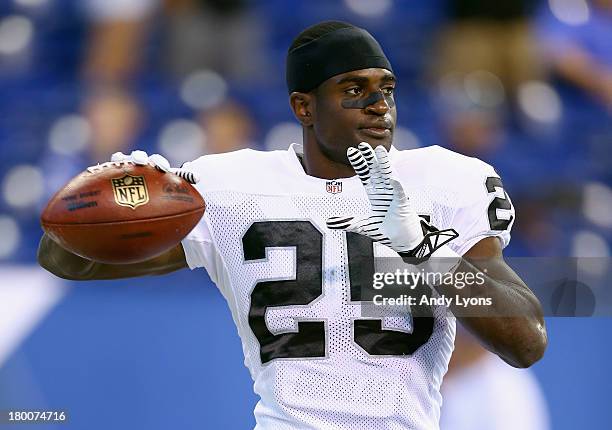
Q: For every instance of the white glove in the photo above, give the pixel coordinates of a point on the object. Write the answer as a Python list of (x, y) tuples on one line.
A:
[(392, 220), (158, 161)]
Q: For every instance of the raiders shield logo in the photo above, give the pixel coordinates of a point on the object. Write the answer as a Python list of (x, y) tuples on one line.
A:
[(130, 191), (333, 187)]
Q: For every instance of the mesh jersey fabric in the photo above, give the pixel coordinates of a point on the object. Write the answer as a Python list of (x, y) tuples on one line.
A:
[(344, 387)]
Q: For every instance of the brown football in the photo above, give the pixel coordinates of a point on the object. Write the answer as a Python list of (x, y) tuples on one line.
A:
[(122, 213)]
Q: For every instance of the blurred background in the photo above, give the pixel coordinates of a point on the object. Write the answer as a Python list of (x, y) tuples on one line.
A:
[(525, 85)]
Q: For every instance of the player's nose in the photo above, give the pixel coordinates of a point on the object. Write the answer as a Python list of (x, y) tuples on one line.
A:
[(379, 107)]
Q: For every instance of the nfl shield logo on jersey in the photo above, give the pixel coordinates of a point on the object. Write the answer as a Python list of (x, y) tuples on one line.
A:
[(333, 187)]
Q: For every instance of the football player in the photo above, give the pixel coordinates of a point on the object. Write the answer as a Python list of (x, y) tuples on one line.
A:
[(289, 237)]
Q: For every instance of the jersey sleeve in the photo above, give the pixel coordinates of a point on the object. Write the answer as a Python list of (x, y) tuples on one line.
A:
[(198, 245), (199, 248), (201, 245), (488, 212)]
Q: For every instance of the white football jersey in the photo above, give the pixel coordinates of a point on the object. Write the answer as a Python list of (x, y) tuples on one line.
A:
[(293, 285)]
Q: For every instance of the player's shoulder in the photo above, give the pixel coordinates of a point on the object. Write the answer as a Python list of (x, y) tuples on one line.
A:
[(242, 158), (441, 160), (454, 175), (236, 169)]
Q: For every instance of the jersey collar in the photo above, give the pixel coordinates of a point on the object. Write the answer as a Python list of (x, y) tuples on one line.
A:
[(296, 151), (350, 184)]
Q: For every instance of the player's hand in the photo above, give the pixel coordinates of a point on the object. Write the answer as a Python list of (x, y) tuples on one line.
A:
[(392, 220), (158, 161)]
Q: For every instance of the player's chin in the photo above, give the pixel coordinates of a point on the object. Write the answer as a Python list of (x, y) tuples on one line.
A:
[(375, 137)]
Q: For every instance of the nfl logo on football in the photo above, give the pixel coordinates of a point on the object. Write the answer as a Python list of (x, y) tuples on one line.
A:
[(333, 187), (130, 191)]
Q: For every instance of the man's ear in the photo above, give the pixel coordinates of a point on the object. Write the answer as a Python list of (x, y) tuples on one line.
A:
[(303, 107)]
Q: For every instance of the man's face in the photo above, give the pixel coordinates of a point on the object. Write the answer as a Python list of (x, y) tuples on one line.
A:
[(354, 107)]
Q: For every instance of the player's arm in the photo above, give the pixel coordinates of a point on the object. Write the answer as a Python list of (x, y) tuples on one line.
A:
[(64, 264), (513, 325)]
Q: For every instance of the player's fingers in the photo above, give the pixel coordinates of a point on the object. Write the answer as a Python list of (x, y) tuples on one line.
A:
[(380, 202), (339, 222), (160, 162), (384, 164), (359, 164), (190, 177), (347, 223), (398, 190), (366, 226), (119, 156), (139, 157), (403, 201), (369, 155)]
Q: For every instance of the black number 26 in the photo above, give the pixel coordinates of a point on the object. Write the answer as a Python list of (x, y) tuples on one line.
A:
[(309, 339)]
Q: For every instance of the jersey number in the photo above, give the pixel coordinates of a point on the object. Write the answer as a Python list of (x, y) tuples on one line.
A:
[(309, 339), (496, 223)]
